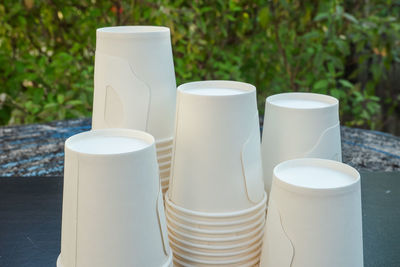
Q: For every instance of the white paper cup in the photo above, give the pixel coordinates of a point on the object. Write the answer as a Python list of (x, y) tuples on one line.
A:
[(216, 148), (113, 212), (134, 83), (299, 125), (314, 216)]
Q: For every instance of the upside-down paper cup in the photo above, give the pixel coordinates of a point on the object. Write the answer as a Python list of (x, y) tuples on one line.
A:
[(134, 83), (216, 164), (113, 213), (314, 216), (299, 125)]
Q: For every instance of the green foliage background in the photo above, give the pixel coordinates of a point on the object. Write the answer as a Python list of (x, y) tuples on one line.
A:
[(348, 49)]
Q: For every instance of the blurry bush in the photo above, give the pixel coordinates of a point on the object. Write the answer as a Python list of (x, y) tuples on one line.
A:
[(348, 49)]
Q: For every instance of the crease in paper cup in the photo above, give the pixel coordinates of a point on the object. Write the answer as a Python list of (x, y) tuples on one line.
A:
[(114, 99), (297, 125), (252, 165), (220, 112), (328, 145), (319, 202), (275, 236)]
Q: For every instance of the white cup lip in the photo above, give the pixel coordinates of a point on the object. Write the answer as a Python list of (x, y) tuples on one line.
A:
[(329, 100), (220, 84), (215, 214), (133, 31), (218, 247), (215, 223), (219, 239), (251, 225), (110, 132), (325, 163)]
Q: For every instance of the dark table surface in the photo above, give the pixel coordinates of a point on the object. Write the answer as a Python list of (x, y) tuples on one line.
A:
[(30, 220)]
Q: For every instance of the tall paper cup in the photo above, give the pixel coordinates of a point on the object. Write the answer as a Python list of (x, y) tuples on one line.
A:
[(216, 165), (298, 125), (134, 80), (314, 216), (113, 212)]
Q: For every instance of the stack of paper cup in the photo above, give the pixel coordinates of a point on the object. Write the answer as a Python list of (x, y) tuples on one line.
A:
[(113, 211), (134, 84), (216, 202), (164, 155), (314, 216), (299, 125)]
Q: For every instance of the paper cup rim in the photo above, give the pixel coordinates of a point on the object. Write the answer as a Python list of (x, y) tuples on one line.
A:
[(247, 88), (247, 249), (325, 163), (329, 100), (216, 214), (110, 132), (246, 243), (133, 31), (218, 223), (248, 256), (258, 229), (250, 262), (247, 227)]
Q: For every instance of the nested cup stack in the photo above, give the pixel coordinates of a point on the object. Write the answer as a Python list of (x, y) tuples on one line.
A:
[(113, 210), (134, 85), (215, 206)]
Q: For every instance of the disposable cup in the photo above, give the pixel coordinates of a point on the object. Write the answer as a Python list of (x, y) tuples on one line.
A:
[(232, 231), (216, 216), (111, 178), (212, 247), (299, 125), (216, 147), (134, 80), (314, 215), (214, 224)]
